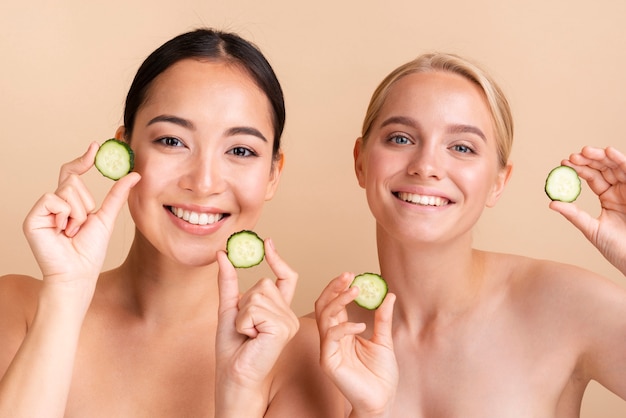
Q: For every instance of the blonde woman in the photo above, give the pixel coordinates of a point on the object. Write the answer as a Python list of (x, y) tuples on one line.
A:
[(465, 332)]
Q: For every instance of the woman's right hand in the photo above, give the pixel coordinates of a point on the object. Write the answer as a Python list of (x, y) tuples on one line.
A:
[(67, 235), (364, 370), (605, 173)]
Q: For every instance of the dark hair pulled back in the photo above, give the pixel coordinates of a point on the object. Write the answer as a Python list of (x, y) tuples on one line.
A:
[(207, 43)]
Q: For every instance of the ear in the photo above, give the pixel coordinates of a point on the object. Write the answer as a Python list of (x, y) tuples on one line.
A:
[(120, 134), (498, 187), (357, 153), (276, 171)]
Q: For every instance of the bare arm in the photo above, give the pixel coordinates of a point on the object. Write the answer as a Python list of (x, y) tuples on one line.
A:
[(69, 242)]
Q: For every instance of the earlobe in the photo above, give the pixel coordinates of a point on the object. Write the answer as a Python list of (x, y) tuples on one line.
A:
[(358, 161), (498, 188)]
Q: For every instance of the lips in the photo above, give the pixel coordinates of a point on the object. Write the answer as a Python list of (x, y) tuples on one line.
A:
[(196, 218), (423, 200)]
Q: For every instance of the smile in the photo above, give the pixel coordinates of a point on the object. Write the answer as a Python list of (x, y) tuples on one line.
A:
[(422, 199), (196, 218)]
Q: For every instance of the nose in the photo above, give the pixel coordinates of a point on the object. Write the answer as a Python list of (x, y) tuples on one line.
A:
[(203, 176), (425, 162)]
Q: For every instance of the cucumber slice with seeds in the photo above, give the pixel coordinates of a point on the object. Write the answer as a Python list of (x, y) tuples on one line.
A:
[(245, 249), (372, 290), (114, 159), (563, 184)]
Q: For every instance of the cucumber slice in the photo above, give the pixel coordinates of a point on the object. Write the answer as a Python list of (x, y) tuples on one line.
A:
[(245, 249), (114, 159), (372, 290), (563, 184)]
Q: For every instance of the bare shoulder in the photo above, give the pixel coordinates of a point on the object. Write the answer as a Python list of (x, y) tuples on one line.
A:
[(301, 388), (538, 275), (567, 292), (18, 295), (18, 301)]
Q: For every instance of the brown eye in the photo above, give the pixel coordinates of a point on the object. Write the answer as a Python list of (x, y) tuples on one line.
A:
[(242, 152), (170, 141)]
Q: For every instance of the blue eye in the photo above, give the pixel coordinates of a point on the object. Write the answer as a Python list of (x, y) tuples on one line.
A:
[(464, 149), (242, 152), (400, 140)]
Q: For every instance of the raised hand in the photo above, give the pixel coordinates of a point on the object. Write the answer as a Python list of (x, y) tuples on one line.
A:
[(605, 173), (253, 329), (365, 370), (67, 235)]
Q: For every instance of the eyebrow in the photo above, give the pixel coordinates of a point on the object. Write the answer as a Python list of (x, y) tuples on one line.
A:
[(458, 128), (246, 130), (401, 120), (185, 123), (172, 119), (469, 129)]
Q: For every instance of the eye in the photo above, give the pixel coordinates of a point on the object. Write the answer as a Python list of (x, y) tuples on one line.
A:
[(242, 152), (463, 149), (170, 141), (399, 140)]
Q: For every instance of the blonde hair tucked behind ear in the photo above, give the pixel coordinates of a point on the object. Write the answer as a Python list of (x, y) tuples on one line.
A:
[(498, 104)]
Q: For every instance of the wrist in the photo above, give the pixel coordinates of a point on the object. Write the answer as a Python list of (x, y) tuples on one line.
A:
[(234, 401), (65, 299)]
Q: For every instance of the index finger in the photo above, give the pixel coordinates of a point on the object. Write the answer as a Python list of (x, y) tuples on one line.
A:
[(79, 165), (286, 277)]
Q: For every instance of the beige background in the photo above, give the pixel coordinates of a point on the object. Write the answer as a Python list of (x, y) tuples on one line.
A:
[(66, 66)]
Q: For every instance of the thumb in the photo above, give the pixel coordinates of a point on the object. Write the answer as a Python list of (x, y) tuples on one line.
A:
[(579, 218), (227, 283), (383, 322), (116, 198)]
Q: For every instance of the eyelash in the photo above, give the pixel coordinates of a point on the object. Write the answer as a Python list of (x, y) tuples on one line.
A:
[(393, 139), (466, 149), (247, 152), (167, 141), (240, 151)]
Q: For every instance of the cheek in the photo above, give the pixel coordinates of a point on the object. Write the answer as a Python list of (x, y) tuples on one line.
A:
[(251, 189)]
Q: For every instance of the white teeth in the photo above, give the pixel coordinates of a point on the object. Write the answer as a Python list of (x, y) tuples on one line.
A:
[(196, 218), (422, 199)]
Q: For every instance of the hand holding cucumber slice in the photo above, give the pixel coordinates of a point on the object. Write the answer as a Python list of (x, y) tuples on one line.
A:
[(114, 159), (372, 290), (563, 184), (245, 249)]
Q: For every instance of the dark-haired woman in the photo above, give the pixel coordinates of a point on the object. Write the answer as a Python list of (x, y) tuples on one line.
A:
[(167, 333)]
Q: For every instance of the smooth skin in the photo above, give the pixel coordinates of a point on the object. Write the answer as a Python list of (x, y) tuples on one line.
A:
[(167, 333), (472, 333)]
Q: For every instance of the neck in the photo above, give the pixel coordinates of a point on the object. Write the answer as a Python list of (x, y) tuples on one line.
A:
[(158, 289), (431, 280)]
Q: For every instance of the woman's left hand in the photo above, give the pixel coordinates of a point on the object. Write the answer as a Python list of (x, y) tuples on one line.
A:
[(253, 329)]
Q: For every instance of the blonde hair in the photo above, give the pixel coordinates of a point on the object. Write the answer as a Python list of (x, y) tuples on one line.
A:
[(497, 102)]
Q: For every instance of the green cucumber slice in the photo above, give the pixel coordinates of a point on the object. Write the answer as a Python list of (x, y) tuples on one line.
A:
[(563, 184), (245, 249), (114, 159), (372, 290)]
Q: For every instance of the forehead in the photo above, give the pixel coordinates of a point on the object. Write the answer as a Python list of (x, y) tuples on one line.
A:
[(448, 92), (214, 89)]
